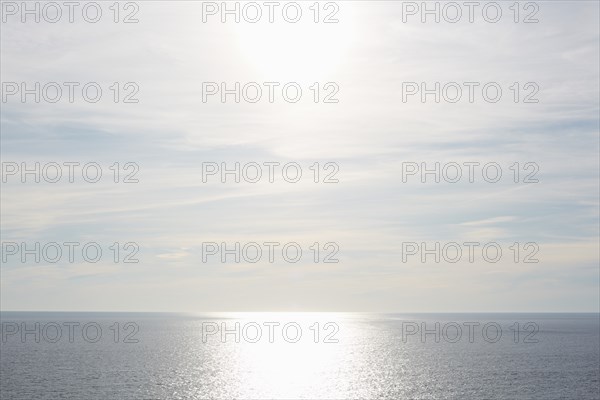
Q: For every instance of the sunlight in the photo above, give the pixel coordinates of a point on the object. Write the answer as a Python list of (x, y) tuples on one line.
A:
[(290, 370), (300, 50)]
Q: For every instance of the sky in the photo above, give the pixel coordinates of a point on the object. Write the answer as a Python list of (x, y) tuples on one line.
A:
[(367, 213)]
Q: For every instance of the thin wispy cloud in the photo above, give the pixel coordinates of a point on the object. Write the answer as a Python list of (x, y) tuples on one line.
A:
[(371, 133)]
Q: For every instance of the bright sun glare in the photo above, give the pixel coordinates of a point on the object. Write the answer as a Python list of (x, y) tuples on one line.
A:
[(301, 50), (290, 370)]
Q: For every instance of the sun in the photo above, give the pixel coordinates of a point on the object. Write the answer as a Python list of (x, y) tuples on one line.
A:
[(303, 50)]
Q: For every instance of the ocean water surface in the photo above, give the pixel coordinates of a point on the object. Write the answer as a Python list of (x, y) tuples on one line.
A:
[(299, 355)]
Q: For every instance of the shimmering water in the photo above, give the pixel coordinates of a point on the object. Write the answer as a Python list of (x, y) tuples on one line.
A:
[(172, 356)]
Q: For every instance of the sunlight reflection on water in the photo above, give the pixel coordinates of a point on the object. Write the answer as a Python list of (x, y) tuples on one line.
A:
[(356, 356)]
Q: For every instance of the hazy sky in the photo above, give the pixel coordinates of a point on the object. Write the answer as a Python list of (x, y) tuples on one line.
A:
[(369, 133)]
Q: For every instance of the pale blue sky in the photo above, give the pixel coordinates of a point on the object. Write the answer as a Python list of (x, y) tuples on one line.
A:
[(369, 134)]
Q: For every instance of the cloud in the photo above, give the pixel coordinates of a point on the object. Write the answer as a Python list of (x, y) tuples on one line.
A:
[(369, 134)]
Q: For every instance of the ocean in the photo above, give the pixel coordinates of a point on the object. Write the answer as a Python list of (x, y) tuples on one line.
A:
[(299, 356)]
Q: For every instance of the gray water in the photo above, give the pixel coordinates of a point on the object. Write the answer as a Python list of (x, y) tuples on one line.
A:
[(165, 356)]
